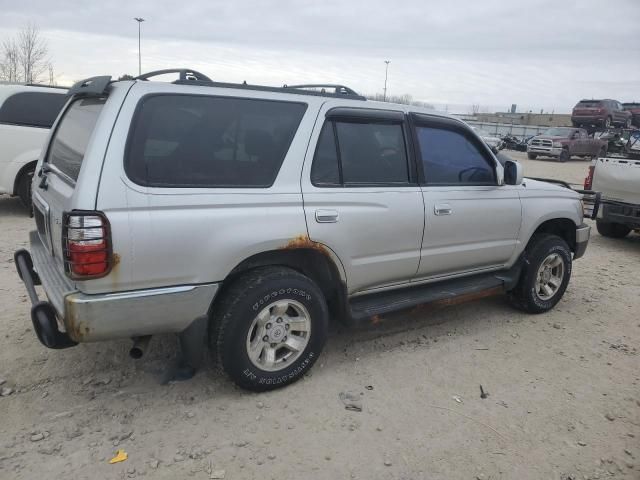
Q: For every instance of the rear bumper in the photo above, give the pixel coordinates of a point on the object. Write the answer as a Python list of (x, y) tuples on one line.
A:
[(625, 213), (588, 119), (583, 232), (71, 316)]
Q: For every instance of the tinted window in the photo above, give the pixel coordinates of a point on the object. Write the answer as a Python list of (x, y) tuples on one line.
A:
[(325, 170), (372, 153), (200, 141), (72, 135), (33, 109), (450, 158)]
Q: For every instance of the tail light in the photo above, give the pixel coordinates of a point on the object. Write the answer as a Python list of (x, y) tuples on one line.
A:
[(86, 244), (588, 181)]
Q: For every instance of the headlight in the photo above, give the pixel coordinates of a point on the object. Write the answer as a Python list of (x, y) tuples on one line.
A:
[(557, 144)]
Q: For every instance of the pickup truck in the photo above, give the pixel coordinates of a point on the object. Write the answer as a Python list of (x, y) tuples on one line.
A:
[(618, 181), (563, 143)]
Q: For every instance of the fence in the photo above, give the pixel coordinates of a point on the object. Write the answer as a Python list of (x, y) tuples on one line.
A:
[(502, 129)]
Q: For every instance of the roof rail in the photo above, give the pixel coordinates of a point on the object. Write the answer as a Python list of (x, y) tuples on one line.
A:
[(186, 74), (45, 86), (90, 86), (337, 89)]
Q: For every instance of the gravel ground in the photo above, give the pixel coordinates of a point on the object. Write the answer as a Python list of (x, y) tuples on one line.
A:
[(564, 393)]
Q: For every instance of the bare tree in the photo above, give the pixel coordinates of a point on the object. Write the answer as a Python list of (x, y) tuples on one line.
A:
[(9, 61), (475, 108), (32, 53)]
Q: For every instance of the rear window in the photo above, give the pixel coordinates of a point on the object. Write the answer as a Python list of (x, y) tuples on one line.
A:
[(72, 135), (204, 141), (589, 104), (32, 109)]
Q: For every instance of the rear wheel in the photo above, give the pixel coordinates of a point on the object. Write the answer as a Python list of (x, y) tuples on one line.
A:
[(545, 276), (269, 328), (612, 230), (23, 189), (532, 156), (564, 155)]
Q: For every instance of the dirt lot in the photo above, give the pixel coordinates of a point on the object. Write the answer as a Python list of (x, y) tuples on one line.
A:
[(564, 391)]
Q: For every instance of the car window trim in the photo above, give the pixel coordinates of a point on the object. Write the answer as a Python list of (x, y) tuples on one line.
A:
[(444, 123), (136, 114), (373, 119)]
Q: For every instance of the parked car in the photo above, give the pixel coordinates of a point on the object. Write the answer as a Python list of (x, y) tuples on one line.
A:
[(603, 113), (618, 181), (634, 108), (26, 114), (512, 142), (493, 141), (563, 143), (250, 215)]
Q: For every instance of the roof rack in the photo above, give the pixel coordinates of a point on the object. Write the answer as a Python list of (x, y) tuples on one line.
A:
[(186, 74), (337, 89), (90, 86)]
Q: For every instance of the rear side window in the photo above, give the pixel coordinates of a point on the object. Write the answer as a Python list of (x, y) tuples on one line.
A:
[(360, 153), (72, 135), (203, 141), (32, 109), (451, 158)]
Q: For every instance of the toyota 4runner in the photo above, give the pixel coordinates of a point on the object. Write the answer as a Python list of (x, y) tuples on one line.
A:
[(247, 216)]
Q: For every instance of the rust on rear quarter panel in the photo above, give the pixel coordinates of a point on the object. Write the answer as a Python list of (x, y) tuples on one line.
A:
[(303, 241), (77, 329)]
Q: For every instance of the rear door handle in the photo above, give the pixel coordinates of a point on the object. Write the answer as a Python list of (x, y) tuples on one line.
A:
[(442, 209), (326, 216)]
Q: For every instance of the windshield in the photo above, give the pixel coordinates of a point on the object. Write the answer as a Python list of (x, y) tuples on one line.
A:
[(557, 132)]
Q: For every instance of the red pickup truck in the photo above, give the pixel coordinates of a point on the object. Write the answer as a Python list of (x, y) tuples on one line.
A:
[(565, 142)]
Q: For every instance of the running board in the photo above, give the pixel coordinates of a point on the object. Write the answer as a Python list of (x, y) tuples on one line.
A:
[(366, 306)]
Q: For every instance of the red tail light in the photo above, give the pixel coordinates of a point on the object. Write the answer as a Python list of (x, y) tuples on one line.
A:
[(588, 181), (86, 244)]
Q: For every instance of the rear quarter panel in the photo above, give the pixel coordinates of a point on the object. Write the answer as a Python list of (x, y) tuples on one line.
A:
[(175, 236)]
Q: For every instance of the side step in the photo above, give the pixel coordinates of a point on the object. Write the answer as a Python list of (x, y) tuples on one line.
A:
[(366, 306)]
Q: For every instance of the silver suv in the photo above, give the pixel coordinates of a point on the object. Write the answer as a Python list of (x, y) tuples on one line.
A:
[(249, 216)]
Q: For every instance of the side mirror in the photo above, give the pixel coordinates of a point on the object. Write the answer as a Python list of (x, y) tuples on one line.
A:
[(512, 173)]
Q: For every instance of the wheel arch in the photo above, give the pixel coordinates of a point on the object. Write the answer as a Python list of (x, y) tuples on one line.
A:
[(565, 228), (310, 259), (26, 167)]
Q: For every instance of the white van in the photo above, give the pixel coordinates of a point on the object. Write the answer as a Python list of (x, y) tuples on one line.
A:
[(26, 115)]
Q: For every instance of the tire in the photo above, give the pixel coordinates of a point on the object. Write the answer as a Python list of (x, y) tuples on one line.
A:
[(23, 187), (564, 155), (532, 156), (612, 230), (607, 122), (261, 309), (543, 250)]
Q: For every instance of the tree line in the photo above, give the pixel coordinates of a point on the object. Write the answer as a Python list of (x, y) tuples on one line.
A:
[(24, 58)]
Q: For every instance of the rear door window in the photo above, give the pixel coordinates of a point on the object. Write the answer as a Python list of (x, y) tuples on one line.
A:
[(72, 135), (32, 109), (206, 141)]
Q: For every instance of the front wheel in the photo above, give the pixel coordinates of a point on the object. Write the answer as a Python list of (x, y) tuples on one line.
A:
[(545, 276), (23, 189), (564, 155), (532, 156), (269, 328)]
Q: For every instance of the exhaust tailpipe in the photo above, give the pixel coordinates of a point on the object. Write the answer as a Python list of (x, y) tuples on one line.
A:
[(139, 346)]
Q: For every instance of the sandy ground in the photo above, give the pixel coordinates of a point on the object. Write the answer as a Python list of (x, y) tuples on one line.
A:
[(564, 392)]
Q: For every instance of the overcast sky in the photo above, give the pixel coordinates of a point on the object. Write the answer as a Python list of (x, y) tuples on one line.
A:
[(536, 53)]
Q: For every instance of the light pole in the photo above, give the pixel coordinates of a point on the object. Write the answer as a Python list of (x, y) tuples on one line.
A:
[(139, 20), (386, 73)]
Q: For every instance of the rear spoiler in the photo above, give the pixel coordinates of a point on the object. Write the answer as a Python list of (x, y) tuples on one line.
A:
[(90, 87), (590, 198)]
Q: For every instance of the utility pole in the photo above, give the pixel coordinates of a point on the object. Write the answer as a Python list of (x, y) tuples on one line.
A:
[(386, 74), (139, 20)]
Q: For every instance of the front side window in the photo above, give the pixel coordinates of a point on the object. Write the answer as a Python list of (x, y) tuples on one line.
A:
[(451, 158), (358, 153), (72, 135), (204, 141), (32, 109)]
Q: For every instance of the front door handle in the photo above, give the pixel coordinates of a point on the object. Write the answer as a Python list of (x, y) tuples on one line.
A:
[(442, 209), (326, 216)]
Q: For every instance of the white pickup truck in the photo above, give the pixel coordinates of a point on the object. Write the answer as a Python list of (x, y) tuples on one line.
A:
[(618, 181)]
